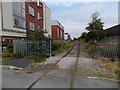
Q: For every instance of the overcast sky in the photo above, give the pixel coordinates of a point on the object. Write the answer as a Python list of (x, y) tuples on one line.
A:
[(75, 16)]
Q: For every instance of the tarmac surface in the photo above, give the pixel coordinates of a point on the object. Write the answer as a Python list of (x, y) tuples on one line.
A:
[(17, 63)]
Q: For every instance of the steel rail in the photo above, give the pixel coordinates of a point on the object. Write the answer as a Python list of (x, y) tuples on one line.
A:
[(30, 87)]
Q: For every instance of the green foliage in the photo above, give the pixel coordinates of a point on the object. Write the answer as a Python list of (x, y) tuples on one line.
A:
[(84, 35), (5, 42), (37, 35), (6, 54), (10, 46), (59, 47), (113, 59), (95, 28), (95, 35), (96, 23), (36, 58)]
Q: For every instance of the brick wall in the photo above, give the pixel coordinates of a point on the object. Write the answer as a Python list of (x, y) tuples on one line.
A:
[(30, 18)]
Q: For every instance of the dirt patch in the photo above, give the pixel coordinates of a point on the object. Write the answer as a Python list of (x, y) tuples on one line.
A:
[(98, 68)]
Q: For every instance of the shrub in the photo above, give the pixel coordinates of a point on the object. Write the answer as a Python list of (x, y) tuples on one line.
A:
[(113, 59), (6, 54), (10, 46), (36, 58)]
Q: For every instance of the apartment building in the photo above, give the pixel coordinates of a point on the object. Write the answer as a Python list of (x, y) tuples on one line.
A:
[(12, 20), (67, 36), (47, 20), (18, 19), (34, 16), (57, 30)]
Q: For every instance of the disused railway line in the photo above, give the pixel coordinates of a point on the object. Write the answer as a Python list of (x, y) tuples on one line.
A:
[(30, 87), (74, 70)]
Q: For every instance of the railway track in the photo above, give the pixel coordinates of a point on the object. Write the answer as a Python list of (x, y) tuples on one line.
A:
[(30, 87), (74, 70)]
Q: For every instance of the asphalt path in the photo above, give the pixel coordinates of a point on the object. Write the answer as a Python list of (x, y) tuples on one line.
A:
[(17, 63)]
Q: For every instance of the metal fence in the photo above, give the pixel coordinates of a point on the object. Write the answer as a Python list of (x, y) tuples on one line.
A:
[(31, 48), (108, 47)]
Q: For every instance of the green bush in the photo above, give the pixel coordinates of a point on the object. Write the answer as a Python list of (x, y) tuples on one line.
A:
[(60, 47), (6, 54), (36, 58), (10, 46), (113, 59)]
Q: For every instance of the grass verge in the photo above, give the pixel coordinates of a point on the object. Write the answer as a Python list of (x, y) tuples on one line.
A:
[(61, 47), (36, 58)]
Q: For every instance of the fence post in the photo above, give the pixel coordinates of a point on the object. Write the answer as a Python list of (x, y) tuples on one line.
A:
[(50, 48)]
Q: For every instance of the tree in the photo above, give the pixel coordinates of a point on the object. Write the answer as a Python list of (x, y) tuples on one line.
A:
[(95, 28), (84, 35), (37, 35), (96, 23)]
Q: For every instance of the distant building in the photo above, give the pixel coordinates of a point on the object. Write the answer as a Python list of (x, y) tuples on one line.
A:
[(67, 36), (57, 30), (113, 31)]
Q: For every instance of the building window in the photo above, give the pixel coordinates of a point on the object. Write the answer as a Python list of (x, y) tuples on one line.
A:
[(19, 14), (39, 15), (58, 32), (61, 34), (32, 25), (31, 11), (39, 28), (19, 22)]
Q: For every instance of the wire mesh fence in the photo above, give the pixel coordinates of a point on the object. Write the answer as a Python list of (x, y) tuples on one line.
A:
[(32, 48), (108, 48)]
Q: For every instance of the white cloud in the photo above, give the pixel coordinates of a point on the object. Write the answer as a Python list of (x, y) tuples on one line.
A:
[(81, 0), (66, 4), (76, 20)]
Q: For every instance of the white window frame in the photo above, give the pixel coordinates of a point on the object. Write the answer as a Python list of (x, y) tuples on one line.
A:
[(31, 11), (58, 33), (39, 15), (30, 25), (39, 26), (61, 33)]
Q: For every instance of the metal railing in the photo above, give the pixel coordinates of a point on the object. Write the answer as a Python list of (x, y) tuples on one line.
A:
[(108, 47), (31, 48)]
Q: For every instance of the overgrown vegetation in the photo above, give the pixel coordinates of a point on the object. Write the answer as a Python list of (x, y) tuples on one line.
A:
[(95, 28), (112, 69), (10, 46), (7, 56), (59, 47), (36, 58), (37, 35)]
